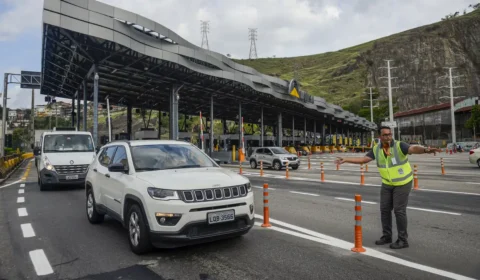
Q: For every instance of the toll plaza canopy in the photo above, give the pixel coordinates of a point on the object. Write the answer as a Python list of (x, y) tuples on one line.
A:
[(143, 64)]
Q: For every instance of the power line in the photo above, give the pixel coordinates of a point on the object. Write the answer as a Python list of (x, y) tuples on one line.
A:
[(252, 35), (205, 28)]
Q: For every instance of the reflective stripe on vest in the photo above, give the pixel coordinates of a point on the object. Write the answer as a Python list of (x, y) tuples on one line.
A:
[(396, 170)]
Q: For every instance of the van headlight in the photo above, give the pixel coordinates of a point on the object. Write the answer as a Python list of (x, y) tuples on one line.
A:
[(162, 194), (48, 165)]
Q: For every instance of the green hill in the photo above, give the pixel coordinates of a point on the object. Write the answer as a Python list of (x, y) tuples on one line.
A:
[(342, 76)]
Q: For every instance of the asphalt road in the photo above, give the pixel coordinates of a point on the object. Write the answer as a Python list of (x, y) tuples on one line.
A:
[(311, 237)]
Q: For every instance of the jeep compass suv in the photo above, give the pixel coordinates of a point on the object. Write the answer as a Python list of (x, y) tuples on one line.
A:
[(167, 194)]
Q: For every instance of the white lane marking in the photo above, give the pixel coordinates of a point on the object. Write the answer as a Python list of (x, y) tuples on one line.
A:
[(27, 230), (472, 183), (21, 191), (350, 199), (22, 212), (304, 193), (441, 191), (40, 262), (332, 241), (257, 187), (434, 211), (8, 185), (22, 185), (20, 199), (412, 208)]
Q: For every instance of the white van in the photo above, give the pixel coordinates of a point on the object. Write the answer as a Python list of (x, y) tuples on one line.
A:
[(63, 157)]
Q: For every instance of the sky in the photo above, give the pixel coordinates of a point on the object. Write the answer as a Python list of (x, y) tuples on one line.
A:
[(285, 28)]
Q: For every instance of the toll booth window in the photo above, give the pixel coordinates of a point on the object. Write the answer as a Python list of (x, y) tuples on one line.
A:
[(68, 143), (164, 156)]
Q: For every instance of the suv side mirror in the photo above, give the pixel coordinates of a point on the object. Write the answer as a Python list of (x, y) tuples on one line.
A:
[(97, 149), (36, 151), (117, 167)]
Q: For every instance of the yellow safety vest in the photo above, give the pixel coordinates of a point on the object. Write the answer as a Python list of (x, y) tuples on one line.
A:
[(395, 169)]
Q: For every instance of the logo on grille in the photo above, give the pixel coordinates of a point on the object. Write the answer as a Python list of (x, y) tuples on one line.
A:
[(71, 162), (215, 186)]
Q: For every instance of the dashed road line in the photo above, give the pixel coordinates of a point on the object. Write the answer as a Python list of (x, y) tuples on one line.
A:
[(27, 230), (40, 262), (454, 192), (22, 185), (472, 183), (257, 187), (311, 194), (22, 212), (20, 199), (21, 191)]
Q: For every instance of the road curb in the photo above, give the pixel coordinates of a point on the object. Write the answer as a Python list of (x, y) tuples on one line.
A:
[(11, 172)]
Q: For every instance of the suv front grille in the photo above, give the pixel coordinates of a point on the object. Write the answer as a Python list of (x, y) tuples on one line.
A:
[(292, 158), (214, 194), (71, 169)]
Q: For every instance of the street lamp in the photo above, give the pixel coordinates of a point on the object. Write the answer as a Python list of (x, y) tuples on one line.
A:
[(452, 113)]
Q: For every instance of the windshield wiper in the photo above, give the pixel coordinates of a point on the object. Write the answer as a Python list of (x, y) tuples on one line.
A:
[(184, 166), (147, 169)]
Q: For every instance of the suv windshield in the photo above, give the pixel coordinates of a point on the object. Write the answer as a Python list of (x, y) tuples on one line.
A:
[(67, 143), (168, 156), (278, 151)]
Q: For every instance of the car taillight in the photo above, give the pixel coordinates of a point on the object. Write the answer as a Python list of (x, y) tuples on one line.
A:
[(471, 151)]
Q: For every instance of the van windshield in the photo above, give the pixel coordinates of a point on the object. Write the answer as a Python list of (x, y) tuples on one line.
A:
[(67, 143)]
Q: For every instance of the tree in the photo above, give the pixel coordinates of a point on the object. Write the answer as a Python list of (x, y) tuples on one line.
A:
[(474, 121)]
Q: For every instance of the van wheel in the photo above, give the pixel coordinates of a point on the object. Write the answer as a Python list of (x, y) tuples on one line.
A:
[(42, 186), (253, 164)]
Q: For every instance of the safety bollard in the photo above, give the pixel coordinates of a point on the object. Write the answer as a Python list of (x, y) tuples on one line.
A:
[(338, 166), (443, 166), (415, 178), (322, 172), (358, 225), (240, 168), (266, 212), (362, 176), (261, 168), (309, 164), (366, 167), (286, 170)]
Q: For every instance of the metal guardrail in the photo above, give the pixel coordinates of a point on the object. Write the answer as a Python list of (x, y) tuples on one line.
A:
[(8, 163)]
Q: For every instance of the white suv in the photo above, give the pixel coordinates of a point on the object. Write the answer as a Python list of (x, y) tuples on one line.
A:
[(167, 194)]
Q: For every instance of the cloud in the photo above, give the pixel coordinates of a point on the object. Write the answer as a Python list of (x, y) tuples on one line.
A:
[(19, 16)]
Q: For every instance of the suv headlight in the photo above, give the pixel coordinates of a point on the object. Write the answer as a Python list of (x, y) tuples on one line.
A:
[(162, 194), (249, 187), (48, 165)]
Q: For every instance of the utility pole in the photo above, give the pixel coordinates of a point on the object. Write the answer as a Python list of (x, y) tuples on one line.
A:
[(371, 109), (452, 105), (252, 35), (390, 98), (32, 116), (205, 28)]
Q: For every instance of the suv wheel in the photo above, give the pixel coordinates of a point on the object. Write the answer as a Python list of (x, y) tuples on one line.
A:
[(277, 165), (294, 167), (253, 164), (92, 214), (138, 235)]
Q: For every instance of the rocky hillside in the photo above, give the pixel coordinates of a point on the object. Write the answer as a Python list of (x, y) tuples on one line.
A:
[(420, 55)]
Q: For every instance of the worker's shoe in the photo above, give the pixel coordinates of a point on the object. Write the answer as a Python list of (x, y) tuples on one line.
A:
[(383, 240), (399, 245)]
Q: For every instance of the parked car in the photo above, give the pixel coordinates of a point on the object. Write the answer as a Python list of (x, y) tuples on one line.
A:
[(274, 157), (167, 194), (475, 156)]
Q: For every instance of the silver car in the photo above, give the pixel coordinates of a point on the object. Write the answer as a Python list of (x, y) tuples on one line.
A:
[(274, 157)]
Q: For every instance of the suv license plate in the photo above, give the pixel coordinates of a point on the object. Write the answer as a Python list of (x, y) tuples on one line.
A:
[(72, 177), (220, 217)]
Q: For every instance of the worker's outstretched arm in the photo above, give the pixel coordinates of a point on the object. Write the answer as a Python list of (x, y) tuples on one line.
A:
[(356, 160)]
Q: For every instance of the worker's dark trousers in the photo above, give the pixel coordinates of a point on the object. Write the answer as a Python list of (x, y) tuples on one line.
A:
[(396, 199)]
